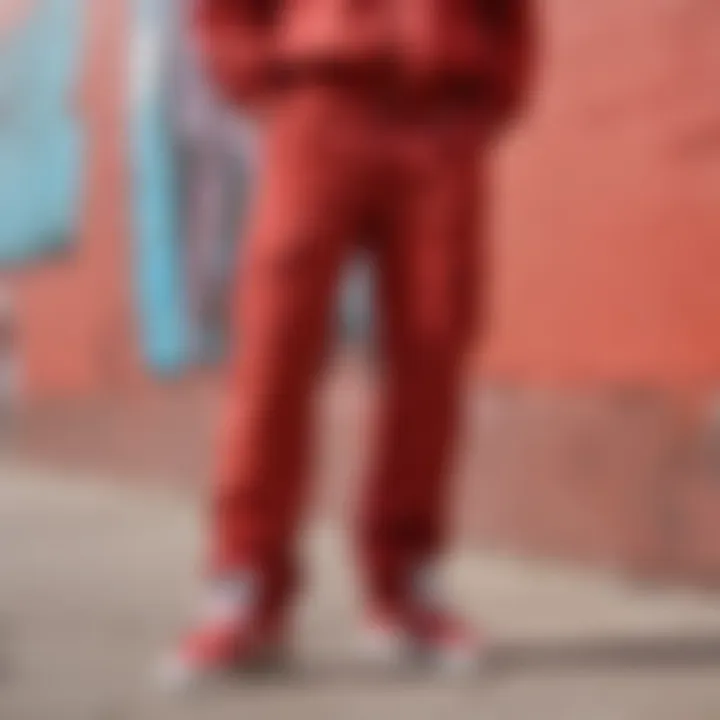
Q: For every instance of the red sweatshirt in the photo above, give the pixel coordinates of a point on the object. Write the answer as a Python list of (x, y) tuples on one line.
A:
[(252, 46)]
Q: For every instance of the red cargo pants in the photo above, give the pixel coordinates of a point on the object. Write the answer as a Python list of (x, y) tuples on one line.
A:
[(339, 170)]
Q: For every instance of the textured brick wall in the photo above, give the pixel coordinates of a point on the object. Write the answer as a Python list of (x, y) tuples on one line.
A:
[(607, 214), (76, 314), (604, 221), (597, 439), (623, 479)]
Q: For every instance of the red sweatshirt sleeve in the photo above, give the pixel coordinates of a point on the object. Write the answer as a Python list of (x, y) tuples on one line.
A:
[(235, 41), (515, 33)]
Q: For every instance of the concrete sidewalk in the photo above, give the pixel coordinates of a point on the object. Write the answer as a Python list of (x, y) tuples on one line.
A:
[(96, 578)]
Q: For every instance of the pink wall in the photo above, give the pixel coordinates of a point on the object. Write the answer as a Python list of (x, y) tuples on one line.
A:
[(608, 225), (607, 213), (76, 314)]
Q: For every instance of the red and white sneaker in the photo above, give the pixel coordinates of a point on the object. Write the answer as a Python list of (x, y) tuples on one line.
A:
[(422, 633), (233, 634)]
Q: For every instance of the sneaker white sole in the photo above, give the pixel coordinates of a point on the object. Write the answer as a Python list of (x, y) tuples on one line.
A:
[(175, 675), (394, 653)]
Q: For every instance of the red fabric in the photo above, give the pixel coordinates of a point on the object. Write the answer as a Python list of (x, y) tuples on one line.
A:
[(346, 161), (337, 172), (235, 39), (232, 642), (432, 628), (249, 44)]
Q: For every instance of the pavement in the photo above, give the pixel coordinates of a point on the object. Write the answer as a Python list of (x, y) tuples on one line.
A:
[(97, 576)]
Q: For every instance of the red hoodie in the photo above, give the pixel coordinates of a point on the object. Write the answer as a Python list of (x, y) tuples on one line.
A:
[(252, 46)]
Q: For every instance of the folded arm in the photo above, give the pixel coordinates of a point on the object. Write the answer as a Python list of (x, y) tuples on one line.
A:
[(235, 40), (513, 27)]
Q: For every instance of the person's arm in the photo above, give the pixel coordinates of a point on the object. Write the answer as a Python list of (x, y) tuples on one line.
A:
[(235, 41), (513, 26)]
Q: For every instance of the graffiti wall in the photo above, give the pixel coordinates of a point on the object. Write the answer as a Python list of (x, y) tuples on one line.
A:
[(191, 175), (40, 131), (193, 163), (186, 168), (157, 255), (604, 214)]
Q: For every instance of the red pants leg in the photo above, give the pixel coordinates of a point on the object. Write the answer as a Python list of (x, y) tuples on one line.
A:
[(428, 296), (305, 217)]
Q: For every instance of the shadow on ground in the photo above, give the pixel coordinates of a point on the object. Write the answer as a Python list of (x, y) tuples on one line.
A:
[(506, 660)]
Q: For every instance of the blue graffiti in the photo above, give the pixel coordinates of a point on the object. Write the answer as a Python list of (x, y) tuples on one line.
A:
[(40, 137), (157, 256)]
